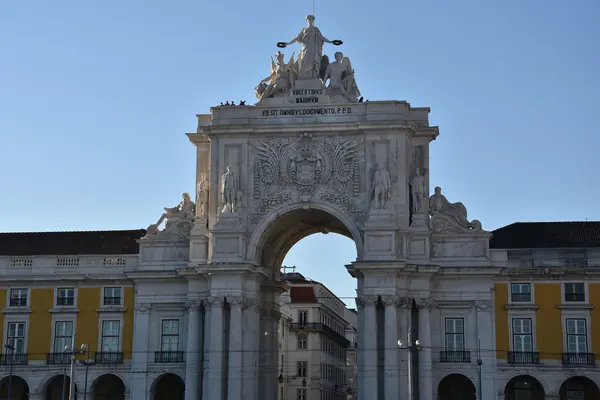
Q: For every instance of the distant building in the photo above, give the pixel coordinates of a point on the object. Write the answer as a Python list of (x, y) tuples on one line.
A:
[(314, 352)]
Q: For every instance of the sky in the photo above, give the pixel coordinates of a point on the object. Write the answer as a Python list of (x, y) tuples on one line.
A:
[(96, 98)]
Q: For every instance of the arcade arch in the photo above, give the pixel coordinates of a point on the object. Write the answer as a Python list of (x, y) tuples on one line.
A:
[(456, 387), (168, 386), (524, 387), (56, 385), (108, 386), (19, 390), (579, 388)]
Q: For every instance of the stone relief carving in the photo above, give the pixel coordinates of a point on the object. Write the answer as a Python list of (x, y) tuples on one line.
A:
[(230, 192), (381, 187), (142, 307), (418, 192), (366, 301), (179, 220), (252, 303), (341, 78), (391, 300), (236, 301), (214, 302), (424, 303), (194, 305), (449, 217), (306, 168), (483, 305), (406, 302), (202, 196)]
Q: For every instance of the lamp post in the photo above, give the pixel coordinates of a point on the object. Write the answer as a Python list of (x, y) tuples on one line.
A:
[(87, 362), (10, 368), (411, 347), (70, 350)]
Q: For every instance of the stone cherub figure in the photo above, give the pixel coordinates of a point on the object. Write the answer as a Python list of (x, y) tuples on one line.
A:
[(229, 191), (281, 79), (202, 196), (182, 212), (455, 213), (381, 188), (341, 78)]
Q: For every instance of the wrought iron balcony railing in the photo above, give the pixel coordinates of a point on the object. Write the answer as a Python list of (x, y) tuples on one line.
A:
[(108, 357), (523, 357), (317, 326), (168, 357), (578, 358), (14, 359), (455, 356), (58, 358)]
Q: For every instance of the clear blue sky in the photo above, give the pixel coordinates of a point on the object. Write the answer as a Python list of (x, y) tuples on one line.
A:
[(95, 98)]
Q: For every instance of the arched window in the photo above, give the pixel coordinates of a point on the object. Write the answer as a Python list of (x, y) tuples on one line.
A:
[(302, 341)]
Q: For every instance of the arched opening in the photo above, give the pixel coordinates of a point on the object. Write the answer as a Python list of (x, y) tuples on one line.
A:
[(19, 390), (57, 385), (456, 387), (108, 387), (524, 387), (579, 388), (168, 387)]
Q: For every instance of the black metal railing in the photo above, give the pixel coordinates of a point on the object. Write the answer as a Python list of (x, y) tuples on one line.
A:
[(112, 301), (578, 358), (108, 357), (14, 359), (18, 302), (168, 356), (455, 356), (523, 357), (58, 358), (317, 326), (65, 301)]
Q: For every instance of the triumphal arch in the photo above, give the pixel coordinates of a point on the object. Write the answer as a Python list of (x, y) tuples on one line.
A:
[(312, 155)]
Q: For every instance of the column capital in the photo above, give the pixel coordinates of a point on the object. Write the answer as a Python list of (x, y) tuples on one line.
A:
[(251, 303), (214, 302), (194, 305), (236, 302), (391, 300), (483, 305), (142, 307), (424, 303), (405, 302), (366, 301)]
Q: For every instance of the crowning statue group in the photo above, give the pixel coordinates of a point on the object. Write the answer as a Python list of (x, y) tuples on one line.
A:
[(311, 64)]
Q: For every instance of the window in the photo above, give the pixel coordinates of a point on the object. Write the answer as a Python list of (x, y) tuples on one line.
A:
[(301, 394), (576, 335), (522, 335), (520, 292), (18, 298), (112, 296), (170, 335), (455, 334), (65, 297), (302, 341), (111, 331), (15, 336), (303, 317), (63, 335), (574, 291), (302, 365)]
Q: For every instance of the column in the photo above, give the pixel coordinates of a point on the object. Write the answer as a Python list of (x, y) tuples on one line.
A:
[(212, 386), (487, 375), (425, 374), (269, 318), (391, 347), (251, 317), (193, 355), (234, 382), (368, 347), (403, 313), (139, 357)]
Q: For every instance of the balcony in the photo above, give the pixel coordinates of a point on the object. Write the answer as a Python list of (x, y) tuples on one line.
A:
[(455, 356), (168, 357), (108, 357), (578, 359), (523, 357), (58, 359), (14, 359), (317, 326)]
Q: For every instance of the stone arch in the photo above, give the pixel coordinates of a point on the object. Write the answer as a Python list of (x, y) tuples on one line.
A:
[(53, 387), (108, 386), (19, 389), (579, 387), (524, 387), (293, 222), (168, 386), (456, 387)]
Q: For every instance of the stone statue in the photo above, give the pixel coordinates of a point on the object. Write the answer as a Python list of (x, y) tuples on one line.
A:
[(281, 79), (202, 196), (229, 191), (381, 188), (418, 192), (309, 65), (454, 215), (176, 217), (341, 78)]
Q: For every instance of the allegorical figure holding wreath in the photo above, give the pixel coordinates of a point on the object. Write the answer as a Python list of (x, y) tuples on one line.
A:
[(310, 59)]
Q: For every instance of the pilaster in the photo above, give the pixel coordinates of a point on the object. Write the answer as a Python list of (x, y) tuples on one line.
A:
[(368, 344), (488, 358), (193, 359), (390, 345), (236, 349), (212, 386), (250, 372), (139, 357), (426, 388)]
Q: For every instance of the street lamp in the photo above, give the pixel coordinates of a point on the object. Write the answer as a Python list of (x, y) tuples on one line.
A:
[(411, 347), (72, 353), (10, 368), (87, 362)]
